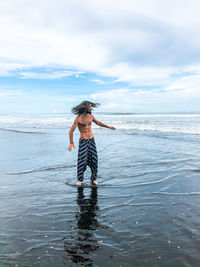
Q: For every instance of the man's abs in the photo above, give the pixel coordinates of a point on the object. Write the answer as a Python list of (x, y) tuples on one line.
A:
[(85, 131)]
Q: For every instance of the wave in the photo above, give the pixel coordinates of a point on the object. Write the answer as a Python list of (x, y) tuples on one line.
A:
[(176, 193), (124, 185), (19, 131), (131, 127), (43, 169), (153, 115), (196, 170), (158, 132), (155, 123)]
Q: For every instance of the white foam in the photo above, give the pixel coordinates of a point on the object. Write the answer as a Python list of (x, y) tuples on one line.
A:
[(154, 115), (166, 123)]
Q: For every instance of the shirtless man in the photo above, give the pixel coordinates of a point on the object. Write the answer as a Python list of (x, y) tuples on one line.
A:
[(87, 153)]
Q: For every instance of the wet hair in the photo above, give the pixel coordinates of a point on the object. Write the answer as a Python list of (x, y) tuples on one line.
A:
[(84, 107)]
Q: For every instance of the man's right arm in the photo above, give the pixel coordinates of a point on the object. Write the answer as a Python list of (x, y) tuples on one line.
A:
[(75, 124)]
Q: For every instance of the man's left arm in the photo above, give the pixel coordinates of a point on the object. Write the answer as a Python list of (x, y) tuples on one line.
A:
[(101, 123)]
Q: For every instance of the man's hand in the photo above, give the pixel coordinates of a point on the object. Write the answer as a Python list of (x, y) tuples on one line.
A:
[(112, 128), (71, 146)]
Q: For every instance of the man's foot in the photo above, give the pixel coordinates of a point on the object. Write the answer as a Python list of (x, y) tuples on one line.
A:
[(94, 182), (79, 183)]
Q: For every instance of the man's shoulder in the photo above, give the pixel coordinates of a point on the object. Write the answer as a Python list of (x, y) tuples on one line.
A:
[(77, 118), (92, 116)]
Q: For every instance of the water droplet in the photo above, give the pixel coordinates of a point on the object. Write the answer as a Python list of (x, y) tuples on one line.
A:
[(169, 242), (136, 222), (178, 247), (159, 257)]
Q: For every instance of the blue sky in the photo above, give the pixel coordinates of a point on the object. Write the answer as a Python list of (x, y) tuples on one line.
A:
[(130, 56)]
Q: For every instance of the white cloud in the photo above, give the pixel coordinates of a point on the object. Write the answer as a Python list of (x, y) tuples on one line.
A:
[(113, 100), (145, 75), (142, 42), (92, 35), (6, 68), (10, 93), (98, 81), (49, 75), (128, 100)]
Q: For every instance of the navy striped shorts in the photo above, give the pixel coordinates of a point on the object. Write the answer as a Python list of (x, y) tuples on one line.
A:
[(87, 156)]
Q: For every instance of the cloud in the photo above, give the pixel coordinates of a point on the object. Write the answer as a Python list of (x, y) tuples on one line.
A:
[(145, 75), (158, 100), (98, 81), (10, 93), (49, 75), (147, 44), (114, 100), (100, 34), (6, 68)]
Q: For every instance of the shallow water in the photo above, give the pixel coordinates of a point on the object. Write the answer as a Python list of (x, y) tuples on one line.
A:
[(145, 211)]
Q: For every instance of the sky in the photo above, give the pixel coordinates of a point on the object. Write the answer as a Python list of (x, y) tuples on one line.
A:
[(128, 55)]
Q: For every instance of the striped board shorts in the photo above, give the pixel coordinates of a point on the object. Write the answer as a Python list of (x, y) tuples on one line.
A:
[(87, 156)]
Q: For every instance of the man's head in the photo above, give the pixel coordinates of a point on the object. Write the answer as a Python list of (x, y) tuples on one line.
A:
[(84, 107)]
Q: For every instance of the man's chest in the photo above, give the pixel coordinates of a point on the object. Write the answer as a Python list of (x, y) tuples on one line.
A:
[(85, 123)]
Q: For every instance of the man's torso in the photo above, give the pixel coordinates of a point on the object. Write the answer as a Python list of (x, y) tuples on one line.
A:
[(85, 125)]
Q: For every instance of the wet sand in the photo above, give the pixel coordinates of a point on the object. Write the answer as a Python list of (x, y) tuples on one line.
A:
[(144, 212)]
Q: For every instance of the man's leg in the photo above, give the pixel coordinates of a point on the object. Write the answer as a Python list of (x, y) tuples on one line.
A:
[(93, 160), (82, 160)]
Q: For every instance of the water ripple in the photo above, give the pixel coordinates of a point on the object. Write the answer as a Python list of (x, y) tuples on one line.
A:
[(43, 169)]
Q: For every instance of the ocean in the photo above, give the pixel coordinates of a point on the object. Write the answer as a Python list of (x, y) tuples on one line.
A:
[(144, 212)]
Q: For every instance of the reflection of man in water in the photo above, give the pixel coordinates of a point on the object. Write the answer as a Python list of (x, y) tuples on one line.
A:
[(85, 242)]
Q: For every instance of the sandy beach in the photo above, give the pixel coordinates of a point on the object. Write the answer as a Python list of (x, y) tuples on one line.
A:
[(144, 212)]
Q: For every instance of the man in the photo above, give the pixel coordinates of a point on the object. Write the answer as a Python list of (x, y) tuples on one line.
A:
[(87, 153)]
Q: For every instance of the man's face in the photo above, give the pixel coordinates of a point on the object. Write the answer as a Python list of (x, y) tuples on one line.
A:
[(90, 109)]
